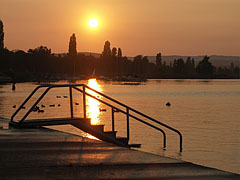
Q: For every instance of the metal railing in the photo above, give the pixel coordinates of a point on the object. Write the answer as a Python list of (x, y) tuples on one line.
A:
[(127, 110)]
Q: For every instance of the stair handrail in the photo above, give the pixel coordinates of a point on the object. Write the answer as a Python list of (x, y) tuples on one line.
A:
[(144, 115), (120, 110), (50, 86)]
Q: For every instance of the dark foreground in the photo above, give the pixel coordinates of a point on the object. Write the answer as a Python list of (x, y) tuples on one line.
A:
[(48, 154)]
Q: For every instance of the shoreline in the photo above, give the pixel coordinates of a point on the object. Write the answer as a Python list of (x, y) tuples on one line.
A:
[(2, 81)]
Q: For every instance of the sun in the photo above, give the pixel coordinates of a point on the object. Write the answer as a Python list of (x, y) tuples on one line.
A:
[(93, 23)]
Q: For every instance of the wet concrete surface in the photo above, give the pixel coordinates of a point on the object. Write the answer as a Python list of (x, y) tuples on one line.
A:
[(49, 154)]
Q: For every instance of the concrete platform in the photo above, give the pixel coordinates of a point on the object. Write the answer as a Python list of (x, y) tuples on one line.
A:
[(49, 154)]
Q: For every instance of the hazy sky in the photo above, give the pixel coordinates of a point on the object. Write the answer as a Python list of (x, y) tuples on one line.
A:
[(172, 27)]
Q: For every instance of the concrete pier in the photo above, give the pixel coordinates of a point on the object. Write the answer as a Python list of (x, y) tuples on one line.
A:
[(49, 154)]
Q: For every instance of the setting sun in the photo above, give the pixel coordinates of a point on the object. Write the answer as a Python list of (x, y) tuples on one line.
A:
[(93, 22)]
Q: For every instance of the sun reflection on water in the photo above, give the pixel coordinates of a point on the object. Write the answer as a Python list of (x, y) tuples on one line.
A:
[(92, 104)]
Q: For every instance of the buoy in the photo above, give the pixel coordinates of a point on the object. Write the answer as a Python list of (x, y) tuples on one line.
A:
[(14, 106), (168, 104), (43, 106), (65, 96), (52, 105), (40, 110), (77, 104), (59, 105), (58, 96), (13, 87)]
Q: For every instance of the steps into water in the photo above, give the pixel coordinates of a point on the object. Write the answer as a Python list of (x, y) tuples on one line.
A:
[(83, 124)]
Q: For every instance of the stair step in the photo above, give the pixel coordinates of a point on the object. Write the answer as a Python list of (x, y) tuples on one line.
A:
[(135, 145), (86, 120), (111, 133), (99, 128), (49, 122), (123, 140)]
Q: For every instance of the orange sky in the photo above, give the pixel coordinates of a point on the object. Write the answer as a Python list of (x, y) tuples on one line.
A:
[(173, 27)]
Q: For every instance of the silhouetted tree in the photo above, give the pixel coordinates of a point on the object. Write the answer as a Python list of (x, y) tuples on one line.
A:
[(193, 64), (140, 65), (114, 52), (236, 72), (107, 60), (41, 58), (72, 50), (232, 66), (178, 66), (41, 51), (204, 67), (189, 67), (144, 65), (136, 64), (106, 50), (119, 53), (1, 35)]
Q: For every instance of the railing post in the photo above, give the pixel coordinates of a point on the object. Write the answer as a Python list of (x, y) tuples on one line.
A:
[(113, 126), (180, 142), (71, 102), (84, 103), (128, 136)]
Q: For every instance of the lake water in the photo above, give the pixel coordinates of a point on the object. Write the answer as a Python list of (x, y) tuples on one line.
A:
[(206, 112)]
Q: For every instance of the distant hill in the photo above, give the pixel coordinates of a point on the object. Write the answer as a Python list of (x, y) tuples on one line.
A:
[(97, 55), (216, 60)]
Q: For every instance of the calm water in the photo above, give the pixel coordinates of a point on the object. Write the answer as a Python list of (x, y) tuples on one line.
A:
[(207, 112)]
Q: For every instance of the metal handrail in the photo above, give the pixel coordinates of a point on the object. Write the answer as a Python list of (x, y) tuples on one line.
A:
[(128, 109), (144, 115), (49, 86), (164, 134)]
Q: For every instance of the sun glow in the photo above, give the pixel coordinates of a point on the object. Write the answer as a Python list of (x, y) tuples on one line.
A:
[(93, 23), (92, 104)]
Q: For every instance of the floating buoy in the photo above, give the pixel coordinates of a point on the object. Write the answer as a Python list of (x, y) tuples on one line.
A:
[(65, 96), (168, 104), (40, 110), (59, 105), (52, 105), (23, 107), (43, 106), (14, 106), (13, 87), (77, 104), (58, 96)]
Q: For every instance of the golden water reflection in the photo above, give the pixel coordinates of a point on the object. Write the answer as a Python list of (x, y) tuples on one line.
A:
[(93, 105)]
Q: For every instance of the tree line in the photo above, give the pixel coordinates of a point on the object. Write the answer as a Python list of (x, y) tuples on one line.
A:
[(41, 64)]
